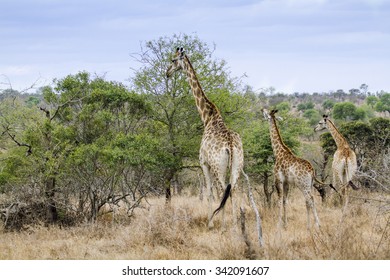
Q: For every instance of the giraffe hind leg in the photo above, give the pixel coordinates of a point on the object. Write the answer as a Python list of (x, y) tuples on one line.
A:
[(285, 197), (279, 189), (310, 207)]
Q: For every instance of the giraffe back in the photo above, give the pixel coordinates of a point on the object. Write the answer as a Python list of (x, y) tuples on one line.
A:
[(219, 143)]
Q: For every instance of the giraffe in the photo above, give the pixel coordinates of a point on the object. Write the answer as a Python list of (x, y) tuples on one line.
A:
[(221, 148), (344, 163), (290, 170)]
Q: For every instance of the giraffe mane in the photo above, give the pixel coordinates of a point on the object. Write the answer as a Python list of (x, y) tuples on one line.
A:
[(337, 130), (273, 117), (213, 108)]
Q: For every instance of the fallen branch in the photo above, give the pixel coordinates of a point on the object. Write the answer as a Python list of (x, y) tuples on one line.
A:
[(258, 219), (249, 249)]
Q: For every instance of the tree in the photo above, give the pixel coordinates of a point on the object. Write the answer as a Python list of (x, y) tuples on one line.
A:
[(364, 88), (104, 124), (383, 105), (347, 111), (328, 104), (43, 152), (313, 116), (87, 142), (283, 106), (305, 106), (371, 100)]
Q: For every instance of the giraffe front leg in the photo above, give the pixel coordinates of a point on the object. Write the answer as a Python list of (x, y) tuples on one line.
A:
[(279, 190), (345, 195), (338, 185)]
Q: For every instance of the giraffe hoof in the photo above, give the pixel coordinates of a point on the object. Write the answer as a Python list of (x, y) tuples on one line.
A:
[(211, 225)]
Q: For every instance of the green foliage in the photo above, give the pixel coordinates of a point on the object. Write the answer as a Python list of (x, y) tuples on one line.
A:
[(347, 111), (371, 100), (328, 104), (383, 105), (257, 148), (305, 106), (283, 106), (328, 144), (358, 134), (381, 131), (32, 101), (313, 116)]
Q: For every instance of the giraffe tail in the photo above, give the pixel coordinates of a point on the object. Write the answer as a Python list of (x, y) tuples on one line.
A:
[(324, 184), (353, 185), (226, 195)]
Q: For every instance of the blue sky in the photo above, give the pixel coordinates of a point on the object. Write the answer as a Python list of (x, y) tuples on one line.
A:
[(291, 45)]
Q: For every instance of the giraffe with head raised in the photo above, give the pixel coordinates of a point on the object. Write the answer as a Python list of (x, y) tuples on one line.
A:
[(344, 163), (290, 170), (221, 148)]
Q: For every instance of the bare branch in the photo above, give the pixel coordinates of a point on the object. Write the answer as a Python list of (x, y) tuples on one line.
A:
[(7, 83), (32, 86), (20, 144), (52, 116), (47, 112)]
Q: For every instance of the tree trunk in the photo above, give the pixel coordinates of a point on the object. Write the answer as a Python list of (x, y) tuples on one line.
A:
[(168, 194), (52, 214)]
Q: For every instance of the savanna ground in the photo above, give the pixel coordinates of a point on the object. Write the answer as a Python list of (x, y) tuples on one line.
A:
[(157, 231)]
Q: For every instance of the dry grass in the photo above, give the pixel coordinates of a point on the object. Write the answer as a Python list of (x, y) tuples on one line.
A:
[(180, 232)]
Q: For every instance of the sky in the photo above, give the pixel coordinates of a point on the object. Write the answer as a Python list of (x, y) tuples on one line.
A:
[(290, 45)]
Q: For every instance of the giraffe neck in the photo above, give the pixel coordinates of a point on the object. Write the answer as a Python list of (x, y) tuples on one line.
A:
[(338, 138), (207, 110), (278, 146)]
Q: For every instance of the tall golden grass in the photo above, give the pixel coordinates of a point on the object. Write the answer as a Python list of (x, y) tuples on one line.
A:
[(179, 231)]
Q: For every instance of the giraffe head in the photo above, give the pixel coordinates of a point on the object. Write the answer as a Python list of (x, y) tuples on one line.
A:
[(322, 123), (177, 62), (269, 115), (266, 115)]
